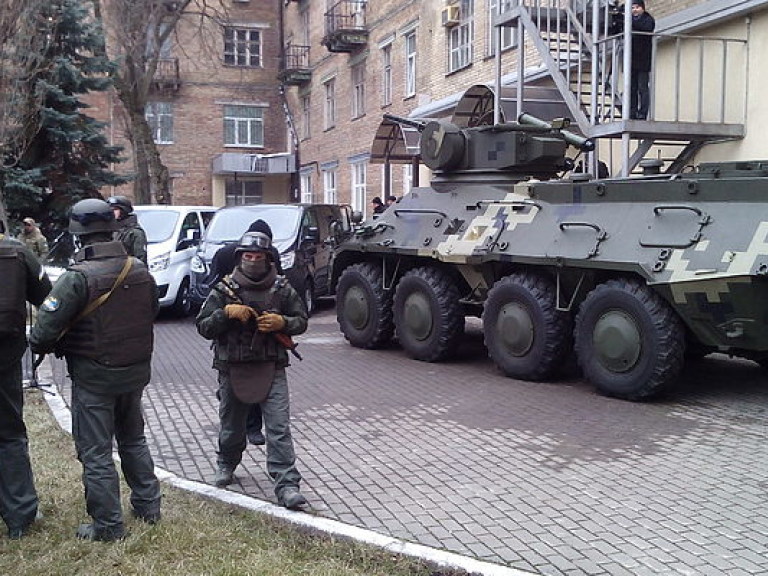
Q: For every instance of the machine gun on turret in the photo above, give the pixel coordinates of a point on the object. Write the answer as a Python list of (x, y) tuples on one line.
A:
[(530, 146)]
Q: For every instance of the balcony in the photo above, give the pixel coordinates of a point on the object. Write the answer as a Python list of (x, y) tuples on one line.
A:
[(166, 78), (296, 70), (345, 26)]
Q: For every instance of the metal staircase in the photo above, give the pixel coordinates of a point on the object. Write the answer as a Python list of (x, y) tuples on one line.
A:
[(577, 42)]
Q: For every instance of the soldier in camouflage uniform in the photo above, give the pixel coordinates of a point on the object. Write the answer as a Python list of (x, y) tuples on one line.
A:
[(100, 317), (244, 315), (129, 232), (23, 281)]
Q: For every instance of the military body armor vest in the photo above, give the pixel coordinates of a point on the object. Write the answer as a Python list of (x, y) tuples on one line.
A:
[(246, 343), (13, 295), (119, 332)]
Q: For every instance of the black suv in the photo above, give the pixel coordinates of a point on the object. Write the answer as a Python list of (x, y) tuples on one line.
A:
[(304, 234)]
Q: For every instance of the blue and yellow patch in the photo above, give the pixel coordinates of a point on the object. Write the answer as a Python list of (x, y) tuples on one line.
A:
[(51, 304)]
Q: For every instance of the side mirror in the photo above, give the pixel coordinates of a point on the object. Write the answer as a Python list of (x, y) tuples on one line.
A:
[(357, 217)]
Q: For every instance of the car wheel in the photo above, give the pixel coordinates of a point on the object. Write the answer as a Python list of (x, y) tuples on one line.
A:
[(429, 320), (182, 306), (363, 307), (629, 342), (526, 336)]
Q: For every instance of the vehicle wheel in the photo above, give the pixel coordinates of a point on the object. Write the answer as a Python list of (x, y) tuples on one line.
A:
[(629, 341), (182, 306), (429, 319), (526, 336), (363, 307), (309, 296)]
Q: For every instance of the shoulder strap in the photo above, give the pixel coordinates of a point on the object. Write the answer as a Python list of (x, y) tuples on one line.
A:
[(94, 304)]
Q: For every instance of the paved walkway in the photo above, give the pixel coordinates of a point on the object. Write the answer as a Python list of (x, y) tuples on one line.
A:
[(543, 478)]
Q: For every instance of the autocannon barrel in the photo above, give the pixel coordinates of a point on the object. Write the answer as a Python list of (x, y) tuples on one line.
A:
[(583, 144), (413, 123)]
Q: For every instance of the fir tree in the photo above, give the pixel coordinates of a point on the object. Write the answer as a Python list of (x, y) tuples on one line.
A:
[(68, 157)]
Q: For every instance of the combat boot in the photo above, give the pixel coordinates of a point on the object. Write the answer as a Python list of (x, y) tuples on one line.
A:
[(224, 476), (292, 499), (20, 532), (90, 532)]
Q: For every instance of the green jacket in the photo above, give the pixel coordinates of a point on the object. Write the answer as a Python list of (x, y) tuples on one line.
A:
[(213, 324), (133, 237)]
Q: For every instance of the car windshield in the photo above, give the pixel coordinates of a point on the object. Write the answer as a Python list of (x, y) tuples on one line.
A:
[(229, 225), (158, 224)]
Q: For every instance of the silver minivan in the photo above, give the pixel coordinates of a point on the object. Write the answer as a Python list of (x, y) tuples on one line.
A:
[(173, 233)]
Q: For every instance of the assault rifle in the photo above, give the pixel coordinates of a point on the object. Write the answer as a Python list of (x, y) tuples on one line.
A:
[(283, 339)]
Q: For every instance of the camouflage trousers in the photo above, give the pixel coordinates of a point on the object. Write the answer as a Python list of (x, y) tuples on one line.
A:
[(275, 410)]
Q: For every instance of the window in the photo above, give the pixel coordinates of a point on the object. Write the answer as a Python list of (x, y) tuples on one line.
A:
[(330, 104), (305, 118), (507, 32), (410, 64), (460, 38), (242, 47), (358, 90), (330, 195), (239, 192), (154, 33), (243, 126), (359, 186), (307, 194), (386, 78), (407, 178), (159, 116)]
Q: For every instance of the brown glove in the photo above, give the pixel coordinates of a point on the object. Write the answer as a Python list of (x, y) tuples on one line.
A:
[(270, 322), (238, 312)]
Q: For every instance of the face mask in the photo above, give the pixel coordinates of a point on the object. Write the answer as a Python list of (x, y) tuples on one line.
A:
[(255, 270)]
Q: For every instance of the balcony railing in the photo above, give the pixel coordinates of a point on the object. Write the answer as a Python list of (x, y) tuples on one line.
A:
[(166, 76), (345, 26), (296, 69)]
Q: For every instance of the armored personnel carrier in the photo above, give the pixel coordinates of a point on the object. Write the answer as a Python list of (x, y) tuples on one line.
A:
[(635, 274)]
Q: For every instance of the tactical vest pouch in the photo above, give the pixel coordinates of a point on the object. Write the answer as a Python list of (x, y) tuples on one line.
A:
[(251, 381), (13, 308)]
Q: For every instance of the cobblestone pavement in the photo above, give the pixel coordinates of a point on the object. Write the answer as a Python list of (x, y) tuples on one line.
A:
[(548, 478)]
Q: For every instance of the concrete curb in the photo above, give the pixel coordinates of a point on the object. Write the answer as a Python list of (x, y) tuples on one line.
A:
[(327, 526)]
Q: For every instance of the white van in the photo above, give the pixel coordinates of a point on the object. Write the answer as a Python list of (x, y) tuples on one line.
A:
[(173, 233)]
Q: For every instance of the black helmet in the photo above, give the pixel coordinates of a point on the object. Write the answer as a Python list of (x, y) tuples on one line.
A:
[(254, 242), (122, 202), (90, 216)]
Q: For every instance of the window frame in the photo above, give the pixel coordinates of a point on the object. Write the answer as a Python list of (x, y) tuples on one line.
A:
[(357, 73), (330, 186), (410, 64), (359, 186), (460, 39), (508, 39), (386, 75), (231, 53), (250, 122), (154, 118), (329, 104)]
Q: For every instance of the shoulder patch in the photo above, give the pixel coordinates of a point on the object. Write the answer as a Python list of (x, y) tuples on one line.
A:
[(51, 304)]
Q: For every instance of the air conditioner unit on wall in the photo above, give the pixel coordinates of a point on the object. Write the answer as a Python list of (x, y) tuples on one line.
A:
[(450, 16)]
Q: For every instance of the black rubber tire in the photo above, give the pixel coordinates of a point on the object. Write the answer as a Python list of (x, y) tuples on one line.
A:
[(308, 296), (629, 370), (363, 307), (429, 298), (182, 306), (539, 351)]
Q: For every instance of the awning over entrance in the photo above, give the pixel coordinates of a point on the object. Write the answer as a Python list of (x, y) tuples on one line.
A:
[(395, 143), (475, 108)]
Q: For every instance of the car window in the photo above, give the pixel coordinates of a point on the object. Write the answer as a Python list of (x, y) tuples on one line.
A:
[(207, 216), (309, 221), (158, 224), (230, 224), (191, 222)]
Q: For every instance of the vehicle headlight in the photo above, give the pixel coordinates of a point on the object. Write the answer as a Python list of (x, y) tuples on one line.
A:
[(287, 259), (197, 265), (160, 263)]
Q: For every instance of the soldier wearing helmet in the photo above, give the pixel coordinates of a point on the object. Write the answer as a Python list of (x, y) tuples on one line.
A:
[(23, 280), (244, 315), (129, 232), (99, 316)]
